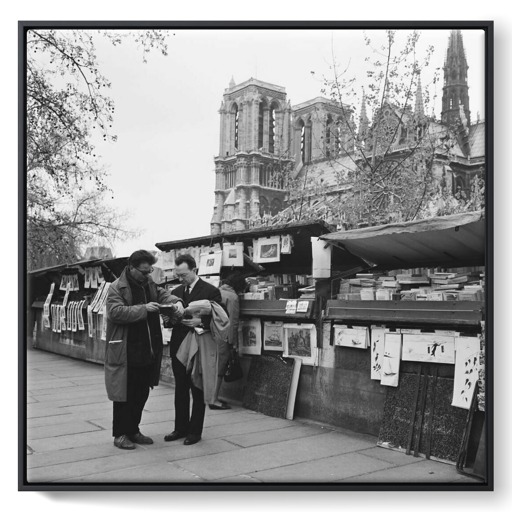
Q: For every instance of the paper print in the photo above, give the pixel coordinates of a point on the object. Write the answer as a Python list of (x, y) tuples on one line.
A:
[(428, 348), (210, 263), (233, 254), (391, 359), (286, 244), (273, 336), (267, 250), (250, 336), (87, 277), (467, 365), (81, 326), (377, 351), (300, 341), (354, 337)]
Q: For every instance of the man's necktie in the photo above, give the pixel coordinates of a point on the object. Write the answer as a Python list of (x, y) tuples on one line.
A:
[(186, 294)]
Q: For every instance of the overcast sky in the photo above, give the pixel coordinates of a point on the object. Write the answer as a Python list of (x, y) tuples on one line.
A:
[(167, 121)]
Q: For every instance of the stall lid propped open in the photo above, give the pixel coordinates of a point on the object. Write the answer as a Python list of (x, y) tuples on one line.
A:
[(450, 241)]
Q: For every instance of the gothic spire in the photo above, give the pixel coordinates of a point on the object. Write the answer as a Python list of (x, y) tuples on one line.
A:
[(455, 90), (419, 110), (232, 82), (363, 120)]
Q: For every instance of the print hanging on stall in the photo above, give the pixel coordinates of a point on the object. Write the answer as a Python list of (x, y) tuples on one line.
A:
[(210, 263), (250, 337), (286, 244), (428, 348), (354, 337), (467, 365), (233, 254), (273, 336), (267, 250), (300, 341), (391, 359), (377, 351)]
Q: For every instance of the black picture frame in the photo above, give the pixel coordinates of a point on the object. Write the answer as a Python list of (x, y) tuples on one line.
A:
[(24, 26)]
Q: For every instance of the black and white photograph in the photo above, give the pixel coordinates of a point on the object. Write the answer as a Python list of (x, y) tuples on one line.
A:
[(346, 166)]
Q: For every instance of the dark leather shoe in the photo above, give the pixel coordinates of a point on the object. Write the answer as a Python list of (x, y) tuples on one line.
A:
[(140, 438), (124, 443), (191, 439), (173, 436)]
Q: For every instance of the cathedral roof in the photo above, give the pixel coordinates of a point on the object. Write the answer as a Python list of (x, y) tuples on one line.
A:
[(328, 172), (477, 140)]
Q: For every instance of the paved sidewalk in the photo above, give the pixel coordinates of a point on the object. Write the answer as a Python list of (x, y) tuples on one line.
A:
[(69, 440)]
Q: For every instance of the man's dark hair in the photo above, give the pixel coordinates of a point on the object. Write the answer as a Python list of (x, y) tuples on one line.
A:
[(186, 258), (141, 256)]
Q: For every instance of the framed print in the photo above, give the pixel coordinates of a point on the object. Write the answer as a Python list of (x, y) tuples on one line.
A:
[(233, 254), (250, 337), (210, 263), (267, 250), (300, 341), (273, 336), (351, 192)]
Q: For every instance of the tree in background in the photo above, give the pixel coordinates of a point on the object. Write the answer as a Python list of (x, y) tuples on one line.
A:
[(67, 105), (392, 167)]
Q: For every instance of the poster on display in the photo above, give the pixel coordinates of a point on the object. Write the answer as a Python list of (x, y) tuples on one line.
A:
[(89, 321), (73, 316), (391, 359), (210, 263), (467, 365), (300, 341), (428, 348), (233, 254), (63, 318), (250, 337), (354, 337), (102, 299), (286, 244), (68, 317), (63, 282), (267, 250), (101, 279), (321, 252), (377, 351), (81, 325), (273, 336)]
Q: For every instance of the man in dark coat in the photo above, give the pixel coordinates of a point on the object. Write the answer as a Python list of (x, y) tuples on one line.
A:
[(189, 426), (134, 345)]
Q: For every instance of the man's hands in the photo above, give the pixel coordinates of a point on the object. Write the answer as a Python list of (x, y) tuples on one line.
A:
[(179, 308), (191, 322), (152, 307)]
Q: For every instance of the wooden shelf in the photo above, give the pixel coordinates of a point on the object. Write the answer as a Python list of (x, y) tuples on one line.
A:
[(274, 308), (426, 312)]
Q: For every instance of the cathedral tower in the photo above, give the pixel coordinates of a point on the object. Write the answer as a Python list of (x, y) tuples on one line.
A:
[(254, 149), (455, 90)]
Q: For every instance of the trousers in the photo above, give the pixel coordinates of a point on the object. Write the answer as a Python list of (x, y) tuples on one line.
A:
[(127, 415), (186, 423)]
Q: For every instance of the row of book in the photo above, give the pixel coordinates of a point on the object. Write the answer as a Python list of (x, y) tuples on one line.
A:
[(428, 285)]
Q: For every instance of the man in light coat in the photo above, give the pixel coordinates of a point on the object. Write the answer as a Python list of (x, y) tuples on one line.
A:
[(134, 345)]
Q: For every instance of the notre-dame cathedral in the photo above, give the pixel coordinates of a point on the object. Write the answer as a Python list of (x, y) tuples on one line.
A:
[(260, 129)]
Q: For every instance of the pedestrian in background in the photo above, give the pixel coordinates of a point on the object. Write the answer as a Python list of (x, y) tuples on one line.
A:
[(134, 345), (230, 288)]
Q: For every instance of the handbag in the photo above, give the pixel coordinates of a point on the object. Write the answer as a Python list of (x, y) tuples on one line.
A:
[(234, 370)]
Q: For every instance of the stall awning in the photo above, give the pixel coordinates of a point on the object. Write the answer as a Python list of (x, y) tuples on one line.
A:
[(451, 241)]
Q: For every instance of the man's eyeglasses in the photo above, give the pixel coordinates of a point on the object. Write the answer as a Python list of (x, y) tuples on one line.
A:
[(144, 272)]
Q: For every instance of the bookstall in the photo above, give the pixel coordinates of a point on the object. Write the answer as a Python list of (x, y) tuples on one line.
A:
[(386, 322), (67, 307)]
